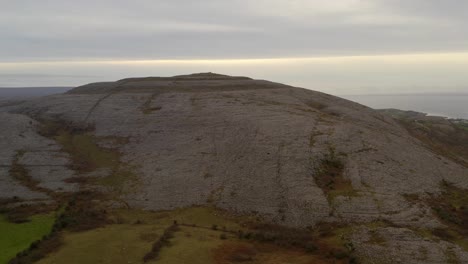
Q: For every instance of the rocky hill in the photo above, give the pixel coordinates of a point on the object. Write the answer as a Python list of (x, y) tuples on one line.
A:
[(288, 156)]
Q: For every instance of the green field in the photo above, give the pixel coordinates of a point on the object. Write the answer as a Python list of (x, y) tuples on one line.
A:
[(15, 238), (132, 236), (196, 241)]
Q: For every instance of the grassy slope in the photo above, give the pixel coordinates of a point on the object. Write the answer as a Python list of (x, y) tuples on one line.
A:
[(191, 245), (130, 239), (86, 153), (88, 156), (112, 244), (15, 238)]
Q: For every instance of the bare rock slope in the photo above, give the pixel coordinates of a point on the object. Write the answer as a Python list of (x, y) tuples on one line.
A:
[(293, 156)]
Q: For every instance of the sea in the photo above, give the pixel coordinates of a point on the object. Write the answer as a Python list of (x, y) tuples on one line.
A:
[(447, 105)]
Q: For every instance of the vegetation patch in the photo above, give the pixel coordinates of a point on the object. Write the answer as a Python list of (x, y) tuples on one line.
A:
[(460, 123), (24, 212), (191, 245), (448, 140), (20, 173), (334, 242), (312, 138), (376, 238), (235, 252), (146, 108), (451, 207), (130, 234), (163, 241), (260, 253), (88, 155), (326, 242), (17, 237), (117, 243), (328, 176), (215, 195), (79, 215), (200, 235), (79, 212), (451, 257), (82, 213), (316, 105)]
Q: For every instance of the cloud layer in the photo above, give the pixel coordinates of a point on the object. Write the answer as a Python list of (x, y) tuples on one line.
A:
[(146, 29), (381, 74), (336, 46)]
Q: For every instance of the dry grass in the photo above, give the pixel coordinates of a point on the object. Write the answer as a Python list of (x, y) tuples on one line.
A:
[(88, 155), (329, 177), (451, 207), (133, 233), (452, 144), (233, 252)]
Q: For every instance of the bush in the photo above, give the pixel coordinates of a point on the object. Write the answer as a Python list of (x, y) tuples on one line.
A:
[(161, 242), (310, 247), (340, 254)]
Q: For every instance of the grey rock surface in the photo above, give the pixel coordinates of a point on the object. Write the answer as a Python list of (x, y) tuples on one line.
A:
[(402, 245), (41, 157)]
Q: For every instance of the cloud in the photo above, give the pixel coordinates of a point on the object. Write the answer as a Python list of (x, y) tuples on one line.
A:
[(144, 29), (339, 46), (427, 72)]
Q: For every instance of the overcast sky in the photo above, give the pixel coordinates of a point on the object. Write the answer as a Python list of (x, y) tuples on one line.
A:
[(337, 46)]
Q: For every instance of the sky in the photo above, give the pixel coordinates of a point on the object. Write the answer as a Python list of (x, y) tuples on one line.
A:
[(335, 46)]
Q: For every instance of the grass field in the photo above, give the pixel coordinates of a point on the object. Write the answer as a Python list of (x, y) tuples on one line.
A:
[(191, 245), (122, 243), (132, 236), (15, 238), (196, 241)]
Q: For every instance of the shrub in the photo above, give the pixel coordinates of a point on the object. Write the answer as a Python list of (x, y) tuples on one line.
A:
[(310, 247), (340, 254), (161, 242), (242, 254)]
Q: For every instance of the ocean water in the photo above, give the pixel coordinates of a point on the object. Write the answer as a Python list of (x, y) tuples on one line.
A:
[(449, 105)]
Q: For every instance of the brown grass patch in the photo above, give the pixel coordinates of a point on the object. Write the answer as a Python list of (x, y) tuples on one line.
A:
[(328, 176), (452, 144), (261, 253), (22, 213), (234, 253), (21, 174), (83, 213)]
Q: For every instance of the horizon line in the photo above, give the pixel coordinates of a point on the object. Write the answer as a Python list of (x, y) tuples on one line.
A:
[(347, 58)]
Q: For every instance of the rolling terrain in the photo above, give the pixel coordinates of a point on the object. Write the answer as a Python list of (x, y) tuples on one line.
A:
[(146, 169)]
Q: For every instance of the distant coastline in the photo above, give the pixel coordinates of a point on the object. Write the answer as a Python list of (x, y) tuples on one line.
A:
[(450, 105), (28, 92), (409, 94)]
